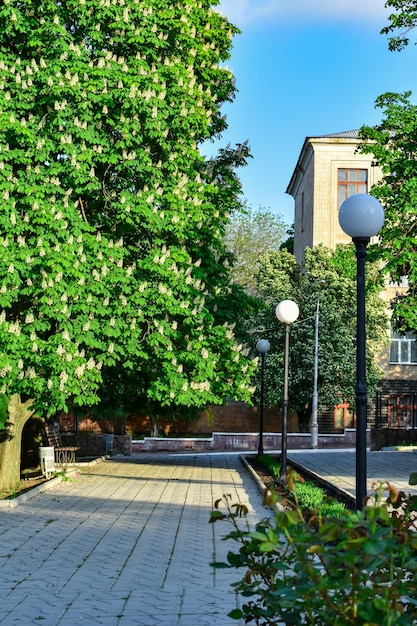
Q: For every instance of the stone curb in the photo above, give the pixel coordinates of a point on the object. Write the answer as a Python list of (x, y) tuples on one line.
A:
[(261, 486), (341, 494), (12, 503)]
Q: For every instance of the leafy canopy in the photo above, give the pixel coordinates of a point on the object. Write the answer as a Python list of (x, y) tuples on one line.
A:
[(112, 223), (250, 236), (401, 22), (282, 278), (393, 143)]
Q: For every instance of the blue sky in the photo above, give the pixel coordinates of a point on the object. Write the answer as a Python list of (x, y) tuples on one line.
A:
[(302, 68)]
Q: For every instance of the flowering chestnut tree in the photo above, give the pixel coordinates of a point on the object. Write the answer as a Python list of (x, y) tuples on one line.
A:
[(111, 221)]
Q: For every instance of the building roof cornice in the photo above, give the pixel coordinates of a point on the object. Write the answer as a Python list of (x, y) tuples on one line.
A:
[(347, 135)]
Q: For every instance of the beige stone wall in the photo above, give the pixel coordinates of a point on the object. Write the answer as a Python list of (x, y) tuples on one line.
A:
[(304, 206), (394, 371), (329, 157), (314, 189)]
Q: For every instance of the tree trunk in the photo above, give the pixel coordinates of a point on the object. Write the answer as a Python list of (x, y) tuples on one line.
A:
[(11, 441), (154, 425), (304, 418)]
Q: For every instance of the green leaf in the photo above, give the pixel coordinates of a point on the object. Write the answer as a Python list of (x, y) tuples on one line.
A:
[(258, 536), (413, 478)]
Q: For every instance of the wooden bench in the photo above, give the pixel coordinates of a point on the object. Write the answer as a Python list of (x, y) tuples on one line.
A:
[(64, 455)]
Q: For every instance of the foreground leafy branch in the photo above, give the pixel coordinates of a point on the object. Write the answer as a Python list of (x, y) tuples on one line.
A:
[(359, 569)]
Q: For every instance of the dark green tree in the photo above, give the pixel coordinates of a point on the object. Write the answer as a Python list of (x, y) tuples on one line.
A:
[(282, 278)]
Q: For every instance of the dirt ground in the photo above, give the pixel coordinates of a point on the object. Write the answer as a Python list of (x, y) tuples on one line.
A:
[(30, 478)]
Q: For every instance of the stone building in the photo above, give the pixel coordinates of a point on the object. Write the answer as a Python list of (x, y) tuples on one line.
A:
[(329, 169)]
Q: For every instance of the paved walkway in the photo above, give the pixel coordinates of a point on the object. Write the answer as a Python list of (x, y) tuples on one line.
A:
[(128, 543), (338, 467)]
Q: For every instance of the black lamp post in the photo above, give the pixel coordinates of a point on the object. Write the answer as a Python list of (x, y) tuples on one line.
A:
[(287, 312), (263, 347), (361, 217)]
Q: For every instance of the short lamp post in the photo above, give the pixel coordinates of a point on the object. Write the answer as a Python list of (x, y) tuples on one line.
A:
[(287, 312), (314, 429), (361, 217), (263, 347)]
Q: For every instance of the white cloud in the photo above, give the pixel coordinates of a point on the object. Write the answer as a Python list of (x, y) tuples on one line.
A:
[(244, 12)]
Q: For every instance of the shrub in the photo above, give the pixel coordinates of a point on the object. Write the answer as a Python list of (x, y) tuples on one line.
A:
[(306, 494), (357, 569)]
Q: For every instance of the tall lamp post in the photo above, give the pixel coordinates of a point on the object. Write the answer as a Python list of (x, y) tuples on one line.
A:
[(314, 429), (263, 347), (287, 312), (361, 217)]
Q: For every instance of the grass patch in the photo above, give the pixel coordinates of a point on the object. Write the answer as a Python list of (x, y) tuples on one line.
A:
[(305, 493)]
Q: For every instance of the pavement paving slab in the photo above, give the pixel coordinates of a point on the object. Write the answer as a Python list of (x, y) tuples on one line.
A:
[(339, 468), (128, 542)]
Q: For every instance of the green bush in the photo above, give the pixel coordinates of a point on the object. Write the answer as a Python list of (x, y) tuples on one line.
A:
[(271, 464), (305, 493), (358, 569)]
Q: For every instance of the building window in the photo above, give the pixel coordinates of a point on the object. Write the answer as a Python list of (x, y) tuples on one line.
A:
[(350, 182), (401, 409), (403, 348)]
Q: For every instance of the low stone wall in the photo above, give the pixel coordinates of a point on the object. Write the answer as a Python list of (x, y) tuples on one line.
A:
[(92, 444), (122, 444), (233, 418), (242, 441)]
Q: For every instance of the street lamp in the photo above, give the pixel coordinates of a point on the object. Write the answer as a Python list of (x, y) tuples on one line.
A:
[(263, 347), (314, 429), (287, 312), (361, 217)]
